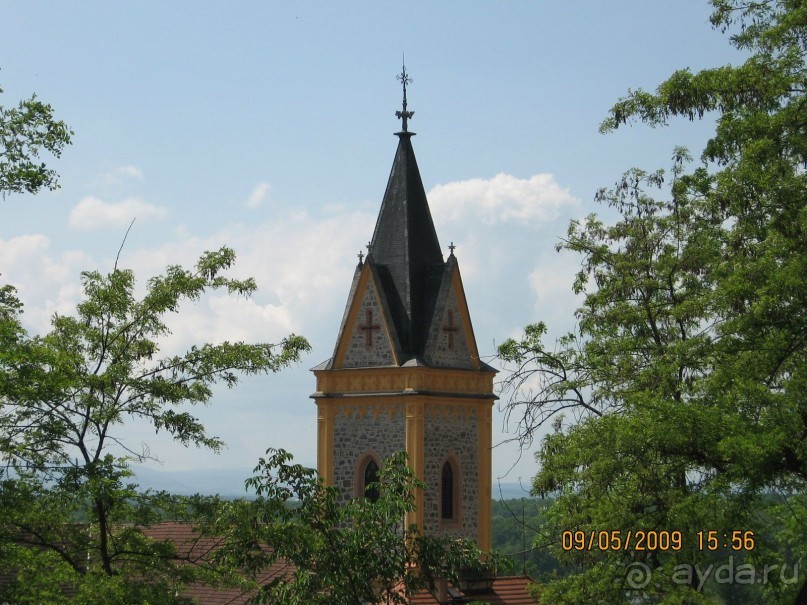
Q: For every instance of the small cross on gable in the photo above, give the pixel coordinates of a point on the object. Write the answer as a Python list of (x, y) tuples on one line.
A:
[(368, 327), (450, 328)]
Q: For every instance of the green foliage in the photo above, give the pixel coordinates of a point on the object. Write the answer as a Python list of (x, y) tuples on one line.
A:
[(25, 131), (519, 537), (64, 398), (357, 551), (685, 376)]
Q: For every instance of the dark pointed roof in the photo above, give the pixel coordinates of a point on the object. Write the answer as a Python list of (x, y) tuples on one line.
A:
[(406, 250)]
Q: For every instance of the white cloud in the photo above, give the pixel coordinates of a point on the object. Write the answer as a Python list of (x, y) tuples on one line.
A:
[(93, 213), (15, 251), (46, 283), (118, 176), (258, 195), (129, 170), (303, 264), (502, 199)]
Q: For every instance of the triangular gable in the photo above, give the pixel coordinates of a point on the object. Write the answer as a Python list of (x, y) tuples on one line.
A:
[(451, 342), (367, 337), (351, 295)]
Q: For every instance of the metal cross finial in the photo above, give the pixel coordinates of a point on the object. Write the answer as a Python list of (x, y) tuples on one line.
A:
[(452, 247), (404, 115), (361, 256)]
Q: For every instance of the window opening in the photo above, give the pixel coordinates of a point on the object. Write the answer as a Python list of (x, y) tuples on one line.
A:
[(447, 492), (371, 477)]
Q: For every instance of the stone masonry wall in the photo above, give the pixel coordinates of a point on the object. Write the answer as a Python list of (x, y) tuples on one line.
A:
[(451, 429), (357, 430)]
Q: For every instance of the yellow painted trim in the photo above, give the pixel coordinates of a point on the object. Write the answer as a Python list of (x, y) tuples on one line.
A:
[(416, 452), (398, 380), (325, 414), (485, 437)]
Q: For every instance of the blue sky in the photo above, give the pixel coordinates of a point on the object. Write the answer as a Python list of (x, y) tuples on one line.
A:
[(268, 127)]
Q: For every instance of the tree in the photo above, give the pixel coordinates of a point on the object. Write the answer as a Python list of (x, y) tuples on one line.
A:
[(686, 372), (25, 130), (64, 398), (358, 551)]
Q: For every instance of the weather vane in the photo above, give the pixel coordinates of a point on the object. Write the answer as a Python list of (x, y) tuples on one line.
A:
[(404, 115)]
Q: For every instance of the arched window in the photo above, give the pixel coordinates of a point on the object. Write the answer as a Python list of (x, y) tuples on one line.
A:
[(447, 493), (370, 476), (449, 496)]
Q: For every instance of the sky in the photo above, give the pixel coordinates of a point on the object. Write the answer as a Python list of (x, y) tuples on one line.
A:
[(268, 127)]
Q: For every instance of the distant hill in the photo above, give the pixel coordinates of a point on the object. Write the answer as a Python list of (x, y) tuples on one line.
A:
[(510, 491), (229, 482)]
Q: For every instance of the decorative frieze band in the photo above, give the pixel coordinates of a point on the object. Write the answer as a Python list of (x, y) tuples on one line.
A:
[(403, 380)]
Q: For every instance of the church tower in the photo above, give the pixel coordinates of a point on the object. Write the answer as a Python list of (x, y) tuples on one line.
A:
[(405, 373)]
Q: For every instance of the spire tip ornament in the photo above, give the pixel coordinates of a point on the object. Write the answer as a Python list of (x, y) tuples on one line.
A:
[(404, 115)]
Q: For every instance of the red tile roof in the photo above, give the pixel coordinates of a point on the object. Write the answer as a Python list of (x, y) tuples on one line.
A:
[(190, 544), (506, 590)]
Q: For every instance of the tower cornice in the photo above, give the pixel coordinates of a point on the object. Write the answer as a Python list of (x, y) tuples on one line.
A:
[(405, 381)]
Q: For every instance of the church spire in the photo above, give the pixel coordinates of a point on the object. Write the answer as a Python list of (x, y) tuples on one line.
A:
[(405, 245)]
